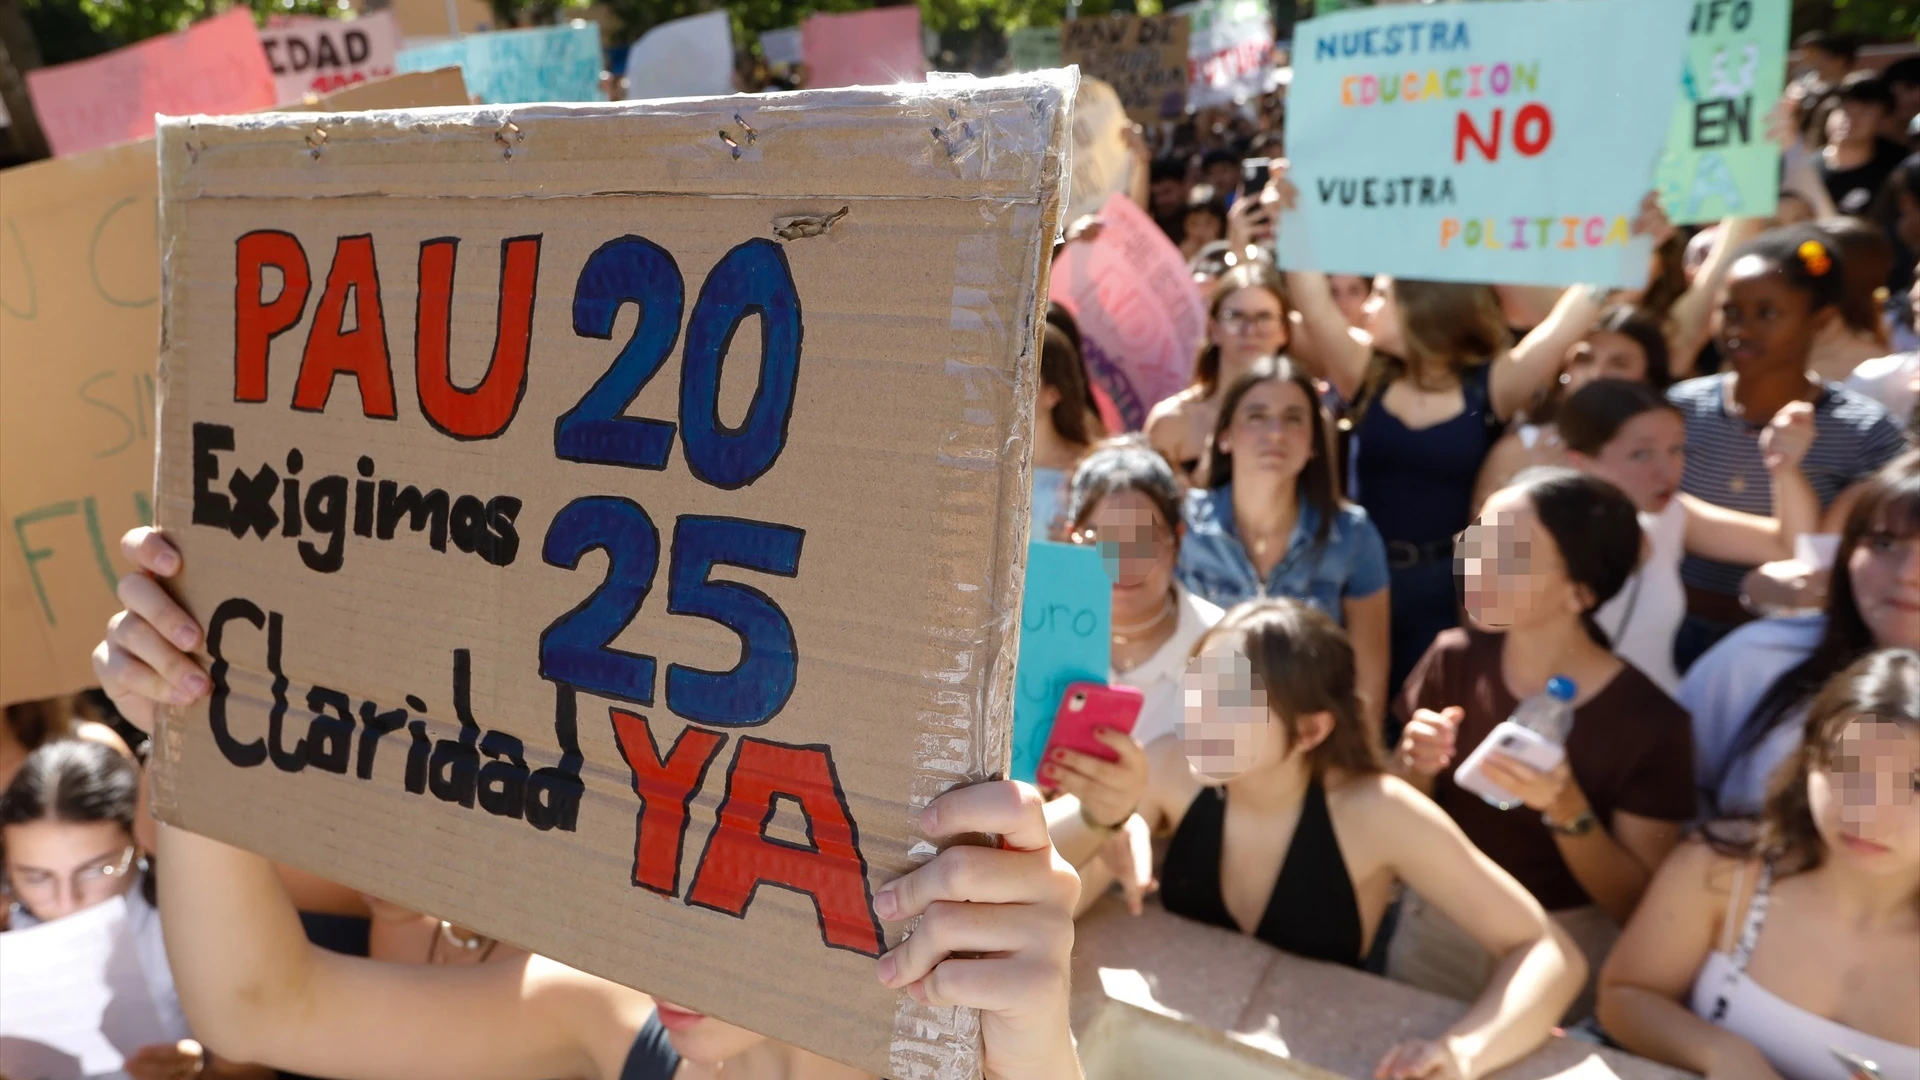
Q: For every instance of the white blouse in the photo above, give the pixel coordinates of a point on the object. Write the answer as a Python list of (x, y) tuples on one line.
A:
[(1160, 676)]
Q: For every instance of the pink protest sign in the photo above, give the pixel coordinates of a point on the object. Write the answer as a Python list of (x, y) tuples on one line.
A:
[(310, 55), (877, 47), (215, 66), (1140, 314)]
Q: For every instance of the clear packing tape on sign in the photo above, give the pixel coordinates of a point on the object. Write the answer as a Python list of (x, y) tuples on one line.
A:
[(609, 521)]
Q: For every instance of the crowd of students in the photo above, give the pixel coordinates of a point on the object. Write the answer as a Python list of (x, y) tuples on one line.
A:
[(1383, 515)]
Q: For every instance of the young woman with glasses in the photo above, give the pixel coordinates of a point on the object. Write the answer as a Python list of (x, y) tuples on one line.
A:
[(66, 838), (1248, 319)]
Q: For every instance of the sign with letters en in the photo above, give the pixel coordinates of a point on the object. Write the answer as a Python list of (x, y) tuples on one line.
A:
[(214, 66), (609, 507), (1066, 618), (1471, 142), (510, 67), (80, 325), (1143, 59), (311, 55), (1140, 315), (1719, 161)]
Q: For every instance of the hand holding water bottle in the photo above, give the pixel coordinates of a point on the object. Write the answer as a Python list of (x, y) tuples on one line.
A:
[(1523, 761)]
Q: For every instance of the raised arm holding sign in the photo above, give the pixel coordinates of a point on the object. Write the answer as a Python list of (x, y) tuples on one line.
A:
[(425, 490)]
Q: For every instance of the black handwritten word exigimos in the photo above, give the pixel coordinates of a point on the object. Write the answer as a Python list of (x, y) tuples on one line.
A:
[(482, 768), (264, 500)]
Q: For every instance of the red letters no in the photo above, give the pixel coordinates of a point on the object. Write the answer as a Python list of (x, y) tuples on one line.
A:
[(487, 409), (360, 352), (666, 787), (1532, 129), (1464, 131), (740, 857), (256, 322)]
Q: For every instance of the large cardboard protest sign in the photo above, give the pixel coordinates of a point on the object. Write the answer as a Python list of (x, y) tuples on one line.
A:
[(1140, 315), (508, 67), (1143, 59), (215, 66), (310, 55), (606, 520), (1229, 52), (1718, 159), (1466, 142), (80, 329)]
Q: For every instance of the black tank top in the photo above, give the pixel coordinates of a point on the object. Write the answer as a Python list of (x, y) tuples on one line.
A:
[(1312, 912), (652, 1056)]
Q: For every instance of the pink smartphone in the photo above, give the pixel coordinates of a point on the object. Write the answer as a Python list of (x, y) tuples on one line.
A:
[(1087, 706)]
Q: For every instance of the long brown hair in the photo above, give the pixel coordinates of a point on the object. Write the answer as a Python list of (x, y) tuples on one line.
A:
[(1442, 322), (1304, 662), (1889, 505), (1316, 485), (1248, 275), (1075, 416), (1884, 685)]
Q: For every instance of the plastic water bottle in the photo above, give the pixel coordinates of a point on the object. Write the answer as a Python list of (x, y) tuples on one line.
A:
[(1536, 734), (1549, 712)]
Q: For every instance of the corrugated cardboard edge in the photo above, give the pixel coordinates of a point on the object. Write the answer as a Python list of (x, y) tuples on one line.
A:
[(962, 745), (943, 1043)]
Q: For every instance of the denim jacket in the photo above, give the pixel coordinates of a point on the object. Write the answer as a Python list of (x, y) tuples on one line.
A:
[(1215, 565)]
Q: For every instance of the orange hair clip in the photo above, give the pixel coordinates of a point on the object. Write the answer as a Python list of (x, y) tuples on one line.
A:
[(1813, 255)]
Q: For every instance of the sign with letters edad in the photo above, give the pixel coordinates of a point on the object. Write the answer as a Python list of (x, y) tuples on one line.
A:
[(1144, 59), (1471, 142), (508, 67), (215, 66), (311, 55), (80, 325), (603, 521), (1718, 159)]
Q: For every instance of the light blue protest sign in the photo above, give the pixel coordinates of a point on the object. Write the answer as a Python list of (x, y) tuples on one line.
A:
[(514, 67), (1066, 615), (1718, 160), (1507, 141)]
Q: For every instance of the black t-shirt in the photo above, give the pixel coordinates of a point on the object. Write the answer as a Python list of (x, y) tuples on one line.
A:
[(1854, 190)]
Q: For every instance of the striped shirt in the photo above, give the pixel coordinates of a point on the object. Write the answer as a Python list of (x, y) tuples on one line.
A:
[(1853, 437)]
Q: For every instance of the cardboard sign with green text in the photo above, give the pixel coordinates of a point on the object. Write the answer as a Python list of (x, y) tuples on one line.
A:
[(608, 521), (79, 332)]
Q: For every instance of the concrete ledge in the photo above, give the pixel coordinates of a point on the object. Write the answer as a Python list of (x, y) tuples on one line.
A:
[(1162, 989)]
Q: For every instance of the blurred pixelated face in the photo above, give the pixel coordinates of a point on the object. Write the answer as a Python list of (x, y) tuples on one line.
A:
[(1885, 572), (1510, 571), (1854, 120), (1645, 459), (1863, 800), (1271, 430), (1203, 226), (1605, 354), (1136, 548), (1248, 324), (1226, 728)]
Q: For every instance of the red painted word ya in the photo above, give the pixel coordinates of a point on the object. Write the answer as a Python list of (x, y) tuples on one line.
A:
[(740, 856)]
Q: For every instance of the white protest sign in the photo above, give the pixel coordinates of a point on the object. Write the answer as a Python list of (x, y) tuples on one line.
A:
[(318, 56), (687, 57)]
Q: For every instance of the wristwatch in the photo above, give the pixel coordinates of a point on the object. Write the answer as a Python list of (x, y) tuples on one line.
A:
[(1583, 823)]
